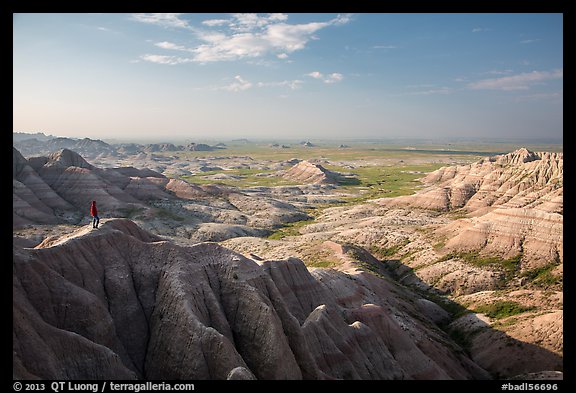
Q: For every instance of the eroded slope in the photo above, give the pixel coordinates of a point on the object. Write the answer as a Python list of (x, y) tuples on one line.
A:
[(119, 303)]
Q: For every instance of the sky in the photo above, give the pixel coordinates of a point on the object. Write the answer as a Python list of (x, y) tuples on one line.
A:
[(285, 76)]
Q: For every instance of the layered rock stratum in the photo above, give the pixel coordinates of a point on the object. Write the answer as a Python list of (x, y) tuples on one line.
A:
[(120, 303), (513, 202), (308, 172)]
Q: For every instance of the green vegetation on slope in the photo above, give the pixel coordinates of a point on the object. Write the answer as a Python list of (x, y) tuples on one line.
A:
[(290, 229), (510, 265), (385, 252), (502, 309), (543, 277), (373, 182)]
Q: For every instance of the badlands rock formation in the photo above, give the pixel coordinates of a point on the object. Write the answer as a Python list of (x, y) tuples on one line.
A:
[(307, 172), (40, 144), (508, 248), (514, 201), (120, 303), (520, 179), (58, 189), (33, 199)]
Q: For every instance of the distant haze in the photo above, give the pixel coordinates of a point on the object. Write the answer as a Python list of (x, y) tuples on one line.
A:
[(288, 76)]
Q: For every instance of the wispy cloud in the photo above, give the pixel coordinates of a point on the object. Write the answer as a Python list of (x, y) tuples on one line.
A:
[(530, 41), (429, 89), (500, 72), (329, 78), (249, 22), (215, 22), (170, 45), (161, 59), (163, 20), (292, 85), (480, 29), (242, 36), (556, 95), (239, 84), (384, 47), (516, 82), (342, 19), (439, 90)]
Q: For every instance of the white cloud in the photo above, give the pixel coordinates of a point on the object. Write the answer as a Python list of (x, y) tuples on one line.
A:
[(164, 20), (289, 38), (384, 47), (250, 22), (170, 45), (342, 19), (215, 22), (292, 85), (234, 47), (278, 38), (315, 74), (530, 41), (277, 17), (335, 77), (245, 36), (330, 78), (480, 29), (160, 59), (517, 82), (240, 84)]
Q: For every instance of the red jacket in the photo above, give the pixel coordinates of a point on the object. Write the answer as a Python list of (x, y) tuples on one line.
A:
[(93, 209)]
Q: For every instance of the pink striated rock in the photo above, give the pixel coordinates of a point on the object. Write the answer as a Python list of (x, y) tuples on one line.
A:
[(307, 172)]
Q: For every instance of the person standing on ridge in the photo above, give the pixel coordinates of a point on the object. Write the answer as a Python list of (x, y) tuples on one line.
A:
[(94, 214)]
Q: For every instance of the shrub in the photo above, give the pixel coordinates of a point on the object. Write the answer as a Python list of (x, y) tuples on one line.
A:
[(543, 276)]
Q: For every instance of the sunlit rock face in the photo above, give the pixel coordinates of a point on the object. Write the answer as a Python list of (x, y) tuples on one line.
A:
[(307, 172), (514, 204)]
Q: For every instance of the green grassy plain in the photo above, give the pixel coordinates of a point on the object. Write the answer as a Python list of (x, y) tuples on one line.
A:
[(376, 170), (372, 170), (364, 150)]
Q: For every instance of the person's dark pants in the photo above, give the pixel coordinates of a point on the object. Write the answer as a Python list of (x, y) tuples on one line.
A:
[(95, 221)]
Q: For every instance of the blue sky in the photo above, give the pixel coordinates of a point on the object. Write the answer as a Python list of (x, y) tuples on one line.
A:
[(169, 76)]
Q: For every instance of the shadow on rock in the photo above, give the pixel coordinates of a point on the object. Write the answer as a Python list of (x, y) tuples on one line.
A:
[(494, 350)]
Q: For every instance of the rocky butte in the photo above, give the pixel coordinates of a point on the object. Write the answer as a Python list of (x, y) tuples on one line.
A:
[(308, 172)]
